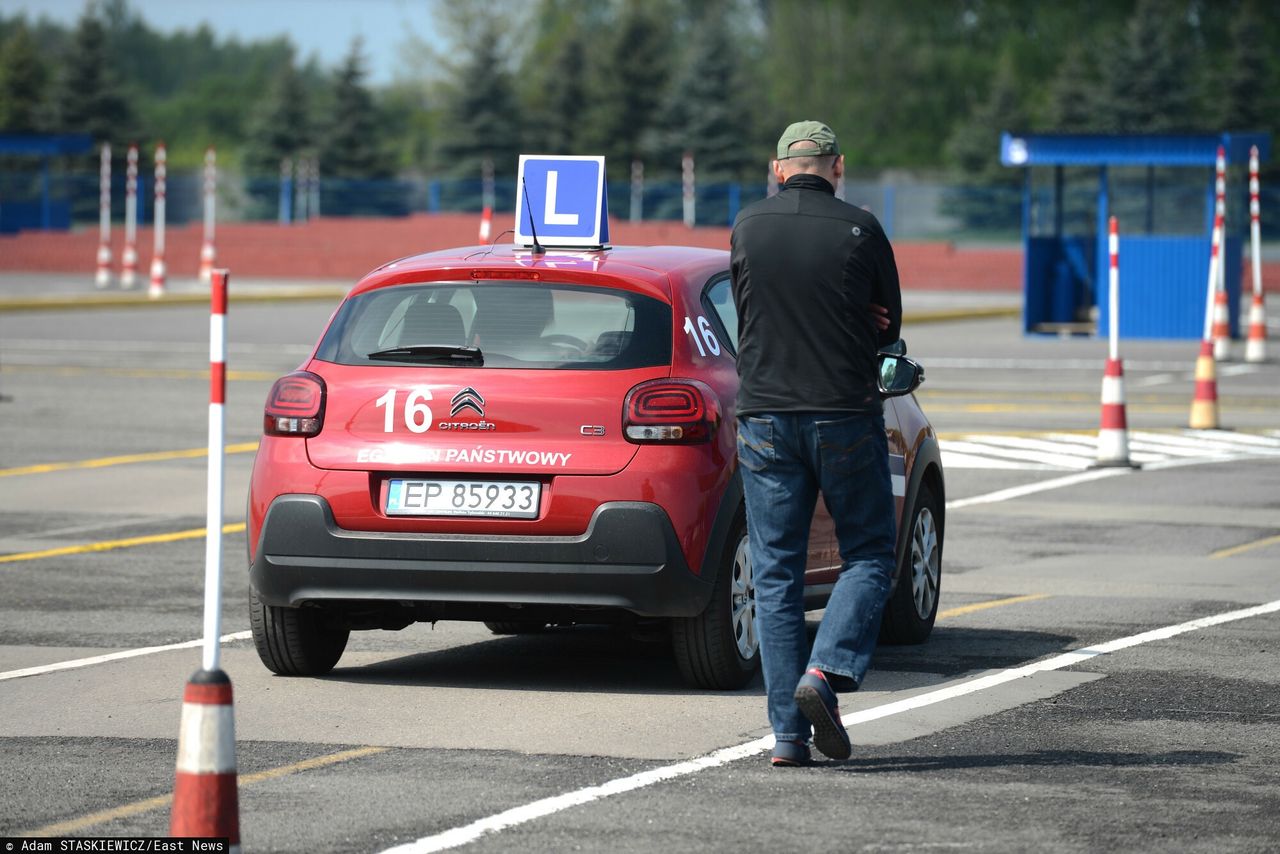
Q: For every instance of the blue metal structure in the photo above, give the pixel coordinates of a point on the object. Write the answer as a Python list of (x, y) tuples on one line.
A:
[(48, 213), (1163, 276)]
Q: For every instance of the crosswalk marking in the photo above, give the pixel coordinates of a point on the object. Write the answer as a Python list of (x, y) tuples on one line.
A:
[(1078, 451)]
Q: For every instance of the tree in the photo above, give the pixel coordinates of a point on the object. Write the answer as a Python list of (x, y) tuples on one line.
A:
[(1241, 98), (707, 111), (23, 82), (482, 116), (1148, 65), (353, 145), (281, 125), (627, 94), (989, 191), (90, 99), (1073, 94)]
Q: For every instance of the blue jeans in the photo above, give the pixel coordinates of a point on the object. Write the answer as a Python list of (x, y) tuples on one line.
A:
[(786, 459)]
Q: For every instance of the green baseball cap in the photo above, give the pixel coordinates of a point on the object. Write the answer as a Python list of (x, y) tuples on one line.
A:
[(815, 132)]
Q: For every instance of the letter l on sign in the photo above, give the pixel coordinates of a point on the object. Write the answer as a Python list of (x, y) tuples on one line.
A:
[(552, 216)]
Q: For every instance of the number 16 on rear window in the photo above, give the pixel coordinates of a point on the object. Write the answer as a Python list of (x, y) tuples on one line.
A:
[(703, 336)]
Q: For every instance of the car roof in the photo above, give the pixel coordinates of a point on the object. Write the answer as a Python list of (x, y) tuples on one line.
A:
[(648, 268)]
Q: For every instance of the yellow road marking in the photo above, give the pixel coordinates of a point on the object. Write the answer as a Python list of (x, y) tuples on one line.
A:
[(125, 459), (74, 825), (1245, 547), (129, 542), (994, 603)]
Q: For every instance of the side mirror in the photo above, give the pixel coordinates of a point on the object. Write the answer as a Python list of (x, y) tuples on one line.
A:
[(899, 375), (897, 348)]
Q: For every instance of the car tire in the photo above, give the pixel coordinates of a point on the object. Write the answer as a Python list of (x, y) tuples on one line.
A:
[(295, 641), (513, 627), (911, 610), (720, 648)]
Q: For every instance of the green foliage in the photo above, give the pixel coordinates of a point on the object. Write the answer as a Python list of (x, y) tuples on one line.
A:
[(630, 76), (353, 146), (707, 111), (921, 84), (23, 80), (281, 125), (1147, 71), (481, 115), (89, 97)]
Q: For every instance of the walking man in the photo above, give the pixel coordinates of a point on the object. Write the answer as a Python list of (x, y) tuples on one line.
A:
[(810, 274)]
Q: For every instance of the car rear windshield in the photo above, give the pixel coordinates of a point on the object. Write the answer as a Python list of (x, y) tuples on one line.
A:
[(539, 325)]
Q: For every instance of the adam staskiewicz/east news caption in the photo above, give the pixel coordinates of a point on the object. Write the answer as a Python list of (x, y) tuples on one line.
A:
[(113, 843)]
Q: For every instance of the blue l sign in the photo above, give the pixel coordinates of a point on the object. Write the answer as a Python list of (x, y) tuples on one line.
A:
[(568, 203)]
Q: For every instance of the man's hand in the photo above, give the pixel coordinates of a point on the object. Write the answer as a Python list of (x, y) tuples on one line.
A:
[(880, 315)]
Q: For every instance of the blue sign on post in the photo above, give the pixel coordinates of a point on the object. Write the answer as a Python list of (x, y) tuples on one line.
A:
[(567, 201)]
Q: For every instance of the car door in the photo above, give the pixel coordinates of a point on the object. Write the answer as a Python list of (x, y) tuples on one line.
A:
[(824, 558)]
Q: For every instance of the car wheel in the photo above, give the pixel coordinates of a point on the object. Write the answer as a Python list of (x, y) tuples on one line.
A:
[(911, 610), (295, 641), (513, 627), (720, 648)]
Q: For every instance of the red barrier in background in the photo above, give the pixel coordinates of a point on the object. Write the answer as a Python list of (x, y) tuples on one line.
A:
[(348, 247)]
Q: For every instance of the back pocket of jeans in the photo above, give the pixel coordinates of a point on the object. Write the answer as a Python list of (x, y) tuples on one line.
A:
[(755, 443), (848, 445)]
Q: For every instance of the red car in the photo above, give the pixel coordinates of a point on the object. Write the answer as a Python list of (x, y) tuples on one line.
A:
[(531, 440)]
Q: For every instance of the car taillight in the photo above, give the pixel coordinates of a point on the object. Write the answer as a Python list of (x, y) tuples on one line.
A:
[(678, 412), (295, 406)]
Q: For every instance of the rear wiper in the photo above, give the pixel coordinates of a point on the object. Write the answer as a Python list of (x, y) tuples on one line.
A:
[(431, 353)]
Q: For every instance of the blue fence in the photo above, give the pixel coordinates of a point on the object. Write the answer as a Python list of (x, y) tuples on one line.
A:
[(908, 209)]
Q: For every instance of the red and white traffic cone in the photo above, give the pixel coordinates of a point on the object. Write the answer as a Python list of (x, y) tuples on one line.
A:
[(486, 224), (1204, 406), (1221, 326), (1255, 348), (1113, 433), (205, 802)]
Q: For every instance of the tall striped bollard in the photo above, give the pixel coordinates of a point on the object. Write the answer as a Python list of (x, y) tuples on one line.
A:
[(1113, 431), (159, 272), (1221, 330), (129, 257), (1255, 348), (207, 253), (205, 802), (103, 277)]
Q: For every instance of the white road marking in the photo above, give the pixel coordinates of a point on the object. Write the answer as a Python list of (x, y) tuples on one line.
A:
[(526, 813), (1074, 452), (1033, 488), (113, 656)]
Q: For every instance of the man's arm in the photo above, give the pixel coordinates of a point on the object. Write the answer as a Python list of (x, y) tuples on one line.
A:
[(886, 293)]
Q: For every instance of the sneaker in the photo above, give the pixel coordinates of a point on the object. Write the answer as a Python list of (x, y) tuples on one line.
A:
[(818, 703), (789, 754)]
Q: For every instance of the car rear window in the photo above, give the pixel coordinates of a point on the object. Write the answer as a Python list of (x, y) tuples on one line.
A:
[(545, 326)]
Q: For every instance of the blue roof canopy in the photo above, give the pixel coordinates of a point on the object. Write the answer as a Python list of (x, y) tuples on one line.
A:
[(45, 145), (1120, 150)]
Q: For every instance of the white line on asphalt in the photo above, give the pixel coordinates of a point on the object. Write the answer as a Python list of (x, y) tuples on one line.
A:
[(458, 836), (1032, 488), (112, 656), (1002, 495)]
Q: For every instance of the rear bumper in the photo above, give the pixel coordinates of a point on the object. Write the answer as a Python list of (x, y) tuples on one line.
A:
[(628, 559)]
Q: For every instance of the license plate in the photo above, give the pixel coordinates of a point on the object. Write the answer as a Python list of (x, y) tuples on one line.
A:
[(513, 499)]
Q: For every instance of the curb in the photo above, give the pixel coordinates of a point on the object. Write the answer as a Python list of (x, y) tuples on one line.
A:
[(947, 315)]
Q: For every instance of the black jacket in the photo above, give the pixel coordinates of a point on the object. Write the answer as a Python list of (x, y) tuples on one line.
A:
[(805, 265)]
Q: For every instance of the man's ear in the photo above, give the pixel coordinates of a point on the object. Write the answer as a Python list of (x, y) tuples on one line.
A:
[(779, 172), (837, 168)]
